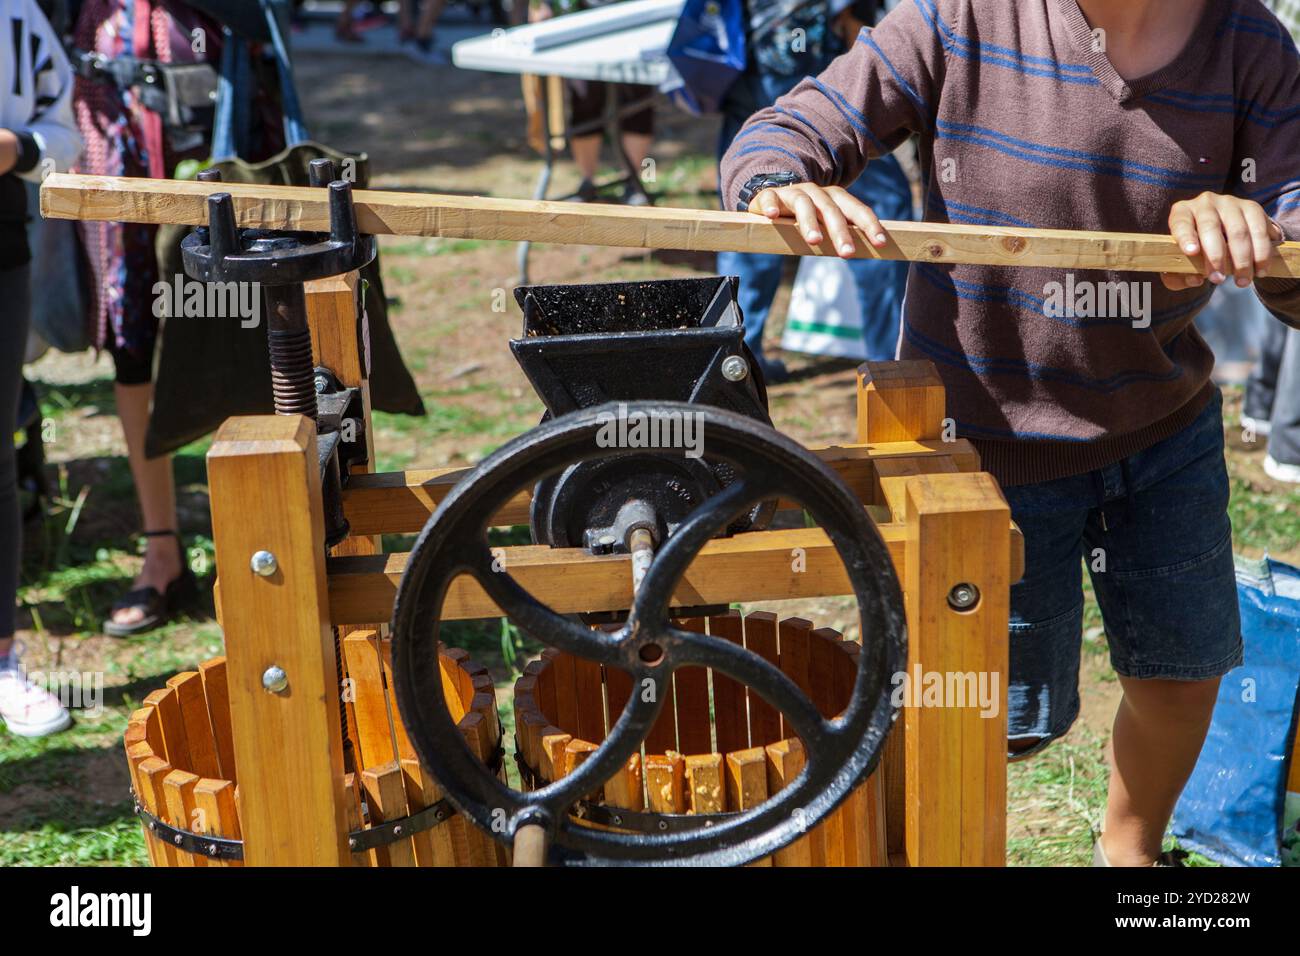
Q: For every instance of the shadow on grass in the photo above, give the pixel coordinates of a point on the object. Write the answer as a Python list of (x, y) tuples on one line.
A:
[(83, 597), (705, 262), (76, 556), (97, 393), (68, 805), (820, 367)]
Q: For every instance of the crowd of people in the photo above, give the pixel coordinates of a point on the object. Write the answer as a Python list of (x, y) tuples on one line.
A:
[(1101, 436)]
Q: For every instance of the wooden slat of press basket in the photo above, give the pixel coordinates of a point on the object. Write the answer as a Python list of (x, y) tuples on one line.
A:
[(819, 661)]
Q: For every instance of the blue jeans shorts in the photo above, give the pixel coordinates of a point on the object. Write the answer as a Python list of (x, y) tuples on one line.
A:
[(1154, 533)]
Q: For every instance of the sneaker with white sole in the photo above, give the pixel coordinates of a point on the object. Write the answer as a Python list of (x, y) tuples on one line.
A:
[(28, 710), (1281, 471)]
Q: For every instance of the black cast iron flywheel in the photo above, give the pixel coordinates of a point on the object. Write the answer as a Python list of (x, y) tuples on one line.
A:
[(840, 752)]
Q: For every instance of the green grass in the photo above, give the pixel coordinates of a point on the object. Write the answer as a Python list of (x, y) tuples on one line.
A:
[(1268, 522), (436, 246), (1065, 780), (63, 799), (71, 823)]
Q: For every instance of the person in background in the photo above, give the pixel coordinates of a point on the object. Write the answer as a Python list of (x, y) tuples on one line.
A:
[(587, 102), (125, 138), (1272, 404), (415, 22), (775, 64), (37, 133), (345, 27)]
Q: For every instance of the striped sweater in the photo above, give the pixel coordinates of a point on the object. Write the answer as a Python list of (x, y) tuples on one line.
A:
[(1022, 121)]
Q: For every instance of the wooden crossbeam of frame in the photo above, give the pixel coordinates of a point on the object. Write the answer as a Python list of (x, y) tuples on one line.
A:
[(760, 565), (117, 199), (400, 502)]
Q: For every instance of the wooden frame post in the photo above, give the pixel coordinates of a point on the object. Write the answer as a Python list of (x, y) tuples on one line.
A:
[(339, 342), (266, 496), (899, 401), (945, 766), (956, 756)]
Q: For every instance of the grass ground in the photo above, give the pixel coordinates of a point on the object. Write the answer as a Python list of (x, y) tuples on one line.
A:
[(63, 800)]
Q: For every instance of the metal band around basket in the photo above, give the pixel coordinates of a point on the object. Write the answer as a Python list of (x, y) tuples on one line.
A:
[(389, 832), (359, 841), (384, 834), (223, 848), (638, 820), (214, 848)]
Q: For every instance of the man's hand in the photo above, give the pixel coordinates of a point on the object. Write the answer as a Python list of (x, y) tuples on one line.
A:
[(9, 149), (1235, 235), (815, 208)]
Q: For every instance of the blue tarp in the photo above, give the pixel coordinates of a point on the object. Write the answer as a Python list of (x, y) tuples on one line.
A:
[(1232, 809)]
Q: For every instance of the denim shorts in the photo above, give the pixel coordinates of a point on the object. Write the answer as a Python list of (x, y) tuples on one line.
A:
[(1154, 533)]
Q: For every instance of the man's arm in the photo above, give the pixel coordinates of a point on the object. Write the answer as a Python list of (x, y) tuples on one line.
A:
[(866, 103)]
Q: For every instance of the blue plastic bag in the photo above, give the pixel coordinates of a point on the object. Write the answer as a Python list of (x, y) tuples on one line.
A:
[(708, 52), (1232, 809)]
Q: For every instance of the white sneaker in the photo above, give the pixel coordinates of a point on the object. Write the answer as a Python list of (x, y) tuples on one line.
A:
[(1280, 471), (28, 710)]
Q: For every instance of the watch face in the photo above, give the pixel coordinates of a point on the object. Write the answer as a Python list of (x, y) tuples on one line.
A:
[(760, 182)]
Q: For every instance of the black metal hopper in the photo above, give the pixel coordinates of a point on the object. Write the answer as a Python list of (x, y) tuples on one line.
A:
[(676, 340), (585, 345)]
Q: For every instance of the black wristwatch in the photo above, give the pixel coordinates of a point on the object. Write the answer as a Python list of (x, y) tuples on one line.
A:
[(756, 184)]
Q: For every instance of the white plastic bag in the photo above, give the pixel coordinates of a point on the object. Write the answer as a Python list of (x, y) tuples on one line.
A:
[(825, 316)]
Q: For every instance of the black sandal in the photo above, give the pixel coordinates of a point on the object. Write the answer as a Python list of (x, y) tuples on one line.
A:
[(157, 608)]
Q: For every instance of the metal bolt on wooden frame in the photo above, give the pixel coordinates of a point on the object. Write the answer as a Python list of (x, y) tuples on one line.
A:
[(943, 780)]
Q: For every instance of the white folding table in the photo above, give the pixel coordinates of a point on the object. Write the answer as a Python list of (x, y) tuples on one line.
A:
[(617, 43)]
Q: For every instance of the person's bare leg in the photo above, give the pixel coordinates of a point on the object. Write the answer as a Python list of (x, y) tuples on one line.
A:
[(429, 15), (344, 28), (637, 147), (155, 491), (1158, 732), (586, 154)]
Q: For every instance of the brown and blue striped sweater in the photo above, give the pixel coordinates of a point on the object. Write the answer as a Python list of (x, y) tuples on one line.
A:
[(1022, 122)]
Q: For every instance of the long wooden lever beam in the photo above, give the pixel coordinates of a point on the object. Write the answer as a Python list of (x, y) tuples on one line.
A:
[(156, 201)]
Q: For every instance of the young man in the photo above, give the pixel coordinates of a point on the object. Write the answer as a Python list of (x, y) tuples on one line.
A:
[(1101, 423), (36, 126)]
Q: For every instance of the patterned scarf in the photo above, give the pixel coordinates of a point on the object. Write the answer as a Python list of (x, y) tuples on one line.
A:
[(124, 139)]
